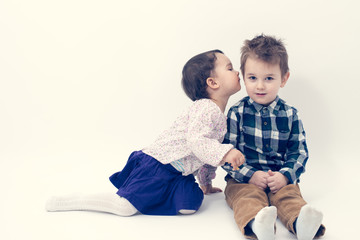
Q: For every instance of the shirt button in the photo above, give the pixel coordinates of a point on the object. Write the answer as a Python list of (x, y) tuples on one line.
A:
[(267, 145), (265, 123)]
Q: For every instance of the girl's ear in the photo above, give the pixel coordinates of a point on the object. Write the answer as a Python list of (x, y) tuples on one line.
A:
[(212, 83)]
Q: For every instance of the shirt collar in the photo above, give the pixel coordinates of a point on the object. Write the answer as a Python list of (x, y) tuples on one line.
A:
[(272, 107)]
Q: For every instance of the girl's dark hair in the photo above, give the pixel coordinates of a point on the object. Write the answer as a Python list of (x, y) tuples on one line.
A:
[(195, 73)]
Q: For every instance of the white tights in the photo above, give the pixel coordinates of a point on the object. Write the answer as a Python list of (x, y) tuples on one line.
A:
[(102, 202)]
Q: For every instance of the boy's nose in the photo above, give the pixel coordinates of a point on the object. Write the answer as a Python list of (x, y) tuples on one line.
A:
[(260, 85)]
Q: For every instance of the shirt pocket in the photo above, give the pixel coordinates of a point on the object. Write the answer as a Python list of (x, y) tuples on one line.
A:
[(280, 138)]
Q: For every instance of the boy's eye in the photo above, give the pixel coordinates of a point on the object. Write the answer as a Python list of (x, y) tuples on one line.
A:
[(252, 78), (269, 78)]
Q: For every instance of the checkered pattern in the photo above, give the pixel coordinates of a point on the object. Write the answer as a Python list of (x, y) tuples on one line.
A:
[(270, 137)]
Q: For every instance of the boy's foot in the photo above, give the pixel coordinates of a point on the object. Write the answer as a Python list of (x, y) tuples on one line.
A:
[(264, 223), (308, 223)]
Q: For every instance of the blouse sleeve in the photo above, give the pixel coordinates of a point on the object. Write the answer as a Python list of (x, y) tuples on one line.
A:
[(204, 124), (206, 174)]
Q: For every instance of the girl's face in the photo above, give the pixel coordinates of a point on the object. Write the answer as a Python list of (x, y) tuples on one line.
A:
[(263, 80), (224, 73)]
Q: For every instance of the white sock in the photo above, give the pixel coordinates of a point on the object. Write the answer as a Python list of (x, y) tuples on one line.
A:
[(186, 211), (308, 223), (264, 223), (103, 202)]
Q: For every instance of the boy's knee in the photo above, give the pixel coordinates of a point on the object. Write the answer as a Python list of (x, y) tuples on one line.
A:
[(245, 193), (288, 190)]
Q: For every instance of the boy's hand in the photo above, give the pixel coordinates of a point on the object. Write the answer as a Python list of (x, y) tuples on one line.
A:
[(208, 189), (235, 158), (260, 179), (276, 181)]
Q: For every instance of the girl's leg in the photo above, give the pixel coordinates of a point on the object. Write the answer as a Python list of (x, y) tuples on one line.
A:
[(104, 202), (187, 196), (186, 211)]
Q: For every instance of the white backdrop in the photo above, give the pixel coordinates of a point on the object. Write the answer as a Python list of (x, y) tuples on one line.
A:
[(84, 83)]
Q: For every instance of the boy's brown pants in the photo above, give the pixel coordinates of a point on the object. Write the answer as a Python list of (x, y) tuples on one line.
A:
[(247, 200)]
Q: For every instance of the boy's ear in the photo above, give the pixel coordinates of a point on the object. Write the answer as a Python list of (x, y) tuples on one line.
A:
[(284, 79), (212, 83)]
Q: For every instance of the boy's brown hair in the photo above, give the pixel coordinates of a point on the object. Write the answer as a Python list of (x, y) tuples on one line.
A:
[(266, 48)]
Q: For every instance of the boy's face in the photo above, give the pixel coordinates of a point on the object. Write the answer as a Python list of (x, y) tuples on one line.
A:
[(263, 80)]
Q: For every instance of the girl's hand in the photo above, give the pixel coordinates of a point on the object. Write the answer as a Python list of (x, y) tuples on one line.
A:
[(276, 181), (209, 189), (235, 158)]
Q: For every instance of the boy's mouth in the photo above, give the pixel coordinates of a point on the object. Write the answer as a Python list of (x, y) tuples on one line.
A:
[(260, 94)]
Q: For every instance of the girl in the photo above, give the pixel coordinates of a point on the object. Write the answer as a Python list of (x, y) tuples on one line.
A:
[(159, 179)]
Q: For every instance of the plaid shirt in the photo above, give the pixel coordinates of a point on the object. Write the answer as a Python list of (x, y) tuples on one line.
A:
[(270, 137)]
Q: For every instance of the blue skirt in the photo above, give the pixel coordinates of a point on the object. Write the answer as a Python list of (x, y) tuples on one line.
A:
[(154, 188)]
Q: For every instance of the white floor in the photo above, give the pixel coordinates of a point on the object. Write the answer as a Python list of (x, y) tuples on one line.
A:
[(26, 185)]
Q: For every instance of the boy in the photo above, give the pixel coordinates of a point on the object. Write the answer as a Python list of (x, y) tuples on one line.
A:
[(271, 136)]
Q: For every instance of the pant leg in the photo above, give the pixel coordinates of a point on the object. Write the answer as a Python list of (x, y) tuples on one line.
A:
[(246, 200), (289, 202)]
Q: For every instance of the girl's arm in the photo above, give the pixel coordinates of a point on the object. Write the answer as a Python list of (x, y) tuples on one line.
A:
[(202, 136), (205, 176)]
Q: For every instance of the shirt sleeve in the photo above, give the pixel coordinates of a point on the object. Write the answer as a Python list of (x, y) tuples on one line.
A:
[(203, 122), (243, 174), (206, 174), (233, 129), (297, 153), (232, 136)]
